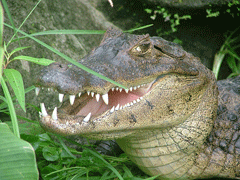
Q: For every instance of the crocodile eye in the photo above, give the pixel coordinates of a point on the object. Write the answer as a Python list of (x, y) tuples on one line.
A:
[(141, 49)]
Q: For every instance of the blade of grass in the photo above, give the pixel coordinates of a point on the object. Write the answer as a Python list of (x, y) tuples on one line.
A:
[(23, 22), (142, 27), (68, 31), (65, 147), (11, 108), (4, 3), (107, 164), (69, 59)]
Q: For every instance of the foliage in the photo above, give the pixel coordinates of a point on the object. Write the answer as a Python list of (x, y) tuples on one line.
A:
[(173, 19), (228, 51)]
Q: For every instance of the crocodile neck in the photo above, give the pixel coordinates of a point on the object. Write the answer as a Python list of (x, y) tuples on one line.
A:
[(175, 151)]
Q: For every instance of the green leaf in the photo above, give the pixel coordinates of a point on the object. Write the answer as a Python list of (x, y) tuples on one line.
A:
[(11, 108), (15, 79), (18, 49), (17, 158), (50, 153), (41, 61)]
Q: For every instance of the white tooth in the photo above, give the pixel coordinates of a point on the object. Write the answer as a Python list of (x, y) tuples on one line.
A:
[(54, 114), (141, 98), (71, 98), (105, 98), (37, 89), (138, 86), (120, 90), (111, 111), (117, 88), (87, 118), (60, 97), (126, 90), (138, 100), (88, 92), (121, 107), (92, 94), (127, 104), (130, 88), (134, 87), (117, 107), (134, 101), (79, 94), (113, 89), (67, 123), (131, 103), (97, 97), (43, 110)]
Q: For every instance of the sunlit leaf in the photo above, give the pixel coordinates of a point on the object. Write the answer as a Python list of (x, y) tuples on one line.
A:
[(15, 80), (41, 61), (17, 157)]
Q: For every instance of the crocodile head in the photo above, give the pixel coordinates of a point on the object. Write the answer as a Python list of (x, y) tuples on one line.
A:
[(164, 85)]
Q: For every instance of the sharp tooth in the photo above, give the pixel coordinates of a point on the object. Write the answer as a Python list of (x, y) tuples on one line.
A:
[(130, 88), (79, 94), (138, 86), (134, 87), (71, 98), (141, 98), (117, 107), (117, 88), (111, 111), (105, 98), (37, 89), (127, 104), (92, 94), (54, 114), (138, 100), (120, 90), (113, 89), (121, 107), (126, 90), (60, 97), (43, 110), (97, 97), (87, 118), (134, 101), (131, 103), (88, 92)]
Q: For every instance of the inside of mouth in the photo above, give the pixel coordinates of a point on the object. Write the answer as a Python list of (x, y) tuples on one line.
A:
[(86, 104)]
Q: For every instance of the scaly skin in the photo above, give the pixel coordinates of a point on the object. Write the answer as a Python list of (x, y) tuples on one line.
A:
[(170, 127)]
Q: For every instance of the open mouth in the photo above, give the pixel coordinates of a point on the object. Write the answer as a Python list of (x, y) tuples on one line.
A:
[(89, 105)]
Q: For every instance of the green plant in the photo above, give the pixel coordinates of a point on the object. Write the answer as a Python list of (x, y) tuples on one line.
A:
[(228, 52), (174, 19), (230, 10)]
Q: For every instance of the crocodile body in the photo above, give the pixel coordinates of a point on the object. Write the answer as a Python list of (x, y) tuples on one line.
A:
[(171, 121)]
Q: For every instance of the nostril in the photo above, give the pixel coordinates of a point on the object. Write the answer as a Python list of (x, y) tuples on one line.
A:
[(60, 67)]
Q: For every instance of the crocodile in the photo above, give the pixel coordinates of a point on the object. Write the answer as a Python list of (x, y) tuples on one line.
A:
[(169, 119)]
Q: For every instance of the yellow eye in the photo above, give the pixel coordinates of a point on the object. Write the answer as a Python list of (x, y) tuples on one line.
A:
[(141, 49)]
